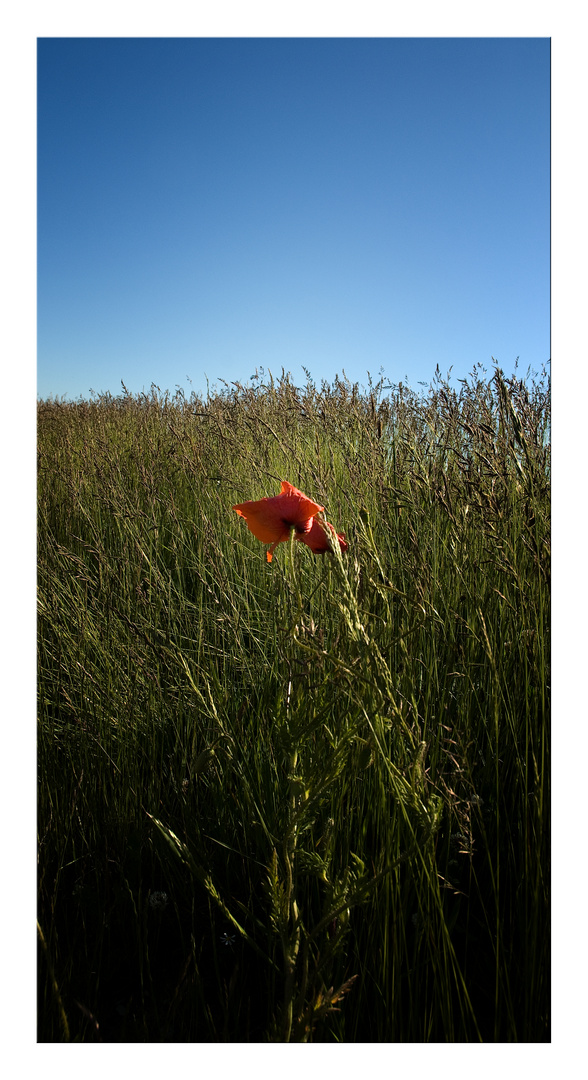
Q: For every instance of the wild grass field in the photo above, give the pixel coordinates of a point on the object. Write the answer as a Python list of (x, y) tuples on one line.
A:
[(306, 799)]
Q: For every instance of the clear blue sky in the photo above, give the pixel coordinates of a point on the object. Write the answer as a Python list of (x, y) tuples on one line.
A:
[(207, 207)]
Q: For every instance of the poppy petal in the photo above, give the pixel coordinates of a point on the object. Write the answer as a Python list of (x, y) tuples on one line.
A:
[(317, 538), (297, 507), (272, 519)]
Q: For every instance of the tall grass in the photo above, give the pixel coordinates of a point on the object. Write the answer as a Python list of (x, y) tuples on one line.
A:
[(305, 801)]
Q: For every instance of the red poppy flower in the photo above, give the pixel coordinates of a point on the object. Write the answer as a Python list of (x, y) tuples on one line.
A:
[(271, 520), (318, 539)]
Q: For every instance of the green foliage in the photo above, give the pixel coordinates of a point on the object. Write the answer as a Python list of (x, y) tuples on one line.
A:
[(327, 778)]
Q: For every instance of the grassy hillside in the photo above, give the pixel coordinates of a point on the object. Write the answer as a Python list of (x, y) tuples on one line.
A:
[(306, 799)]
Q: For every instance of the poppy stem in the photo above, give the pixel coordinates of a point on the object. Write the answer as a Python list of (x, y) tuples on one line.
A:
[(291, 941), (295, 581)]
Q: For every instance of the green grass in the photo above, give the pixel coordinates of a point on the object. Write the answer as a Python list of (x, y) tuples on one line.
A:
[(336, 768)]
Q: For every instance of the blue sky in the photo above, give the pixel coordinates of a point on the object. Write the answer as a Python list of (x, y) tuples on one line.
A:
[(209, 207)]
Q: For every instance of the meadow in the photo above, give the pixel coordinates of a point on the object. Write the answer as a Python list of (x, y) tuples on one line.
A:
[(305, 800)]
